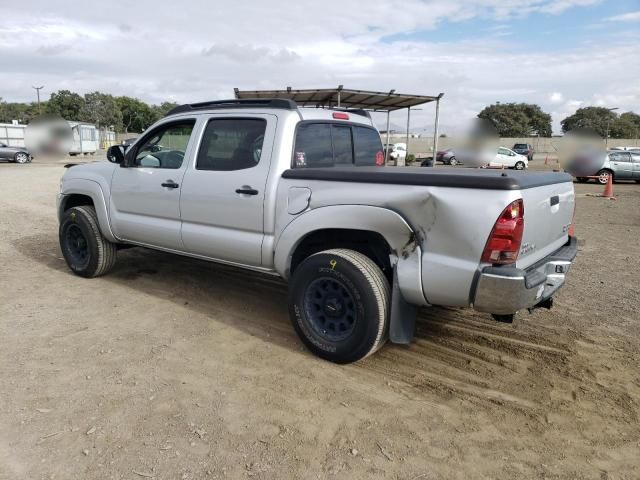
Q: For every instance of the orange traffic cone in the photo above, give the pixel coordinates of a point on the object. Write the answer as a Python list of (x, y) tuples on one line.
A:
[(608, 188)]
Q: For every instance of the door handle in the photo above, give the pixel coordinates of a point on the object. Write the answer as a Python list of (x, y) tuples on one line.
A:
[(170, 184), (246, 190)]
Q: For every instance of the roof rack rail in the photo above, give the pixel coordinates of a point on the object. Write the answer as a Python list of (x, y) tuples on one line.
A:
[(283, 103)]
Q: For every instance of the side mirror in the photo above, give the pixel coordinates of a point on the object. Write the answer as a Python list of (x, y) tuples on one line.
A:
[(115, 154)]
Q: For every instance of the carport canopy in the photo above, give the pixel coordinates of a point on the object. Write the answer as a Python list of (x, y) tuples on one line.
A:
[(342, 97), (347, 98)]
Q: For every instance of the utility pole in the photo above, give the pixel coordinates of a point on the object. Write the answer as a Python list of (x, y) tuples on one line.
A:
[(606, 138), (37, 89)]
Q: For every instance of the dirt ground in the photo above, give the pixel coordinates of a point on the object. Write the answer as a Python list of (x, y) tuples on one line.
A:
[(172, 368)]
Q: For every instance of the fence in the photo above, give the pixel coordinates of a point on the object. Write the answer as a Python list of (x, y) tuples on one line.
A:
[(12, 135)]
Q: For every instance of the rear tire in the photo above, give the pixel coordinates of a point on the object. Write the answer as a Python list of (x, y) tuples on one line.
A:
[(85, 250), (339, 305), (603, 176), (453, 162)]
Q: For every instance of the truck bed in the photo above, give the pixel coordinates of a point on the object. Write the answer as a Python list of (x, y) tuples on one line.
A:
[(485, 179)]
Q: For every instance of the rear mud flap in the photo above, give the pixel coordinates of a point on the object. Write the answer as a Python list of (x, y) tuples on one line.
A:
[(402, 324)]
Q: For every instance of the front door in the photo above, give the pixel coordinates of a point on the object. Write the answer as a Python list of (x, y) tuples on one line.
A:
[(222, 200), (145, 196)]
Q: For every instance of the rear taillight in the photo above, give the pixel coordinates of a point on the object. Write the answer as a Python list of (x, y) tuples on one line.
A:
[(504, 241)]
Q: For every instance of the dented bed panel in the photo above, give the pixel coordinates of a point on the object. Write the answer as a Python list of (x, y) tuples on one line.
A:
[(439, 247)]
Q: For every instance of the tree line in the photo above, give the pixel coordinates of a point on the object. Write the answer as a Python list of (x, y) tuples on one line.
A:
[(525, 119), (123, 114), (128, 114)]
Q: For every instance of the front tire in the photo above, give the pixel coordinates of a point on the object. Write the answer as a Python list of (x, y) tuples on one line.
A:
[(519, 166), (453, 162), (87, 253), (339, 305)]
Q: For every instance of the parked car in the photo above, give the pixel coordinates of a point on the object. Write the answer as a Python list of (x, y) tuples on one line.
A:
[(509, 159), (303, 193), (15, 154), (524, 149), (397, 151), (620, 164), (448, 157)]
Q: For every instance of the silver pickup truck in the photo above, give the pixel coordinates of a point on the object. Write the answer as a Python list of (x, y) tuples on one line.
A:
[(303, 193)]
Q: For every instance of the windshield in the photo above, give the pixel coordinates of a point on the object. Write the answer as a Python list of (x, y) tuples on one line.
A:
[(520, 145)]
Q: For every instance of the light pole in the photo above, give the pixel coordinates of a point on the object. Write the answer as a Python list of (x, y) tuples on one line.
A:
[(606, 138), (37, 89), (435, 129)]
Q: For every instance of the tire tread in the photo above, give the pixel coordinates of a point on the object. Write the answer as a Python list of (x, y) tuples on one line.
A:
[(379, 287), (107, 251)]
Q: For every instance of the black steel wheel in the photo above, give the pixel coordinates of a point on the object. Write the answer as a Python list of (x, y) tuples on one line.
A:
[(76, 245), (331, 309)]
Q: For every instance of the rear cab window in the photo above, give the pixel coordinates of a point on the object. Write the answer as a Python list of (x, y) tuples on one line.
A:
[(326, 144)]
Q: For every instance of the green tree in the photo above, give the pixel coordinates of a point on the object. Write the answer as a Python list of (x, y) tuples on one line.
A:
[(517, 119), (65, 104), (598, 119), (136, 114), (162, 109), (626, 125), (102, 110), (22, 112)]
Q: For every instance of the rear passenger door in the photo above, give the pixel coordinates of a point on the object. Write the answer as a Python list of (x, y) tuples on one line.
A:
[(635, 158), (223, 192)]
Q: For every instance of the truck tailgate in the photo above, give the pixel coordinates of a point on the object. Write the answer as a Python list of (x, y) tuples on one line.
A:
[(548, 213)]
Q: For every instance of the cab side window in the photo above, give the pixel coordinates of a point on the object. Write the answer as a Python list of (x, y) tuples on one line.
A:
[(231, 144), (165, 147)]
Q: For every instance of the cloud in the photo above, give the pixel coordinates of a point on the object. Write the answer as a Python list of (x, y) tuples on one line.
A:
[(202, 53), (626, 17), (54, 49), (556, 97)]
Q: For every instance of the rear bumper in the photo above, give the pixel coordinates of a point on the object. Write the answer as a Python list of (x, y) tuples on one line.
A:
[(505, 290)]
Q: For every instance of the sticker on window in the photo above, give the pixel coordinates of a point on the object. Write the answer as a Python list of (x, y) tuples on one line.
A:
[(379, 158), (301, 159)]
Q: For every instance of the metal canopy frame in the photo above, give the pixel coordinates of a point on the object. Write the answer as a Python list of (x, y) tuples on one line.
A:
[(347, 98)]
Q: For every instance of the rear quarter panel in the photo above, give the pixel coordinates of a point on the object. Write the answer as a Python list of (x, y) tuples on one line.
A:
[(450, 225)]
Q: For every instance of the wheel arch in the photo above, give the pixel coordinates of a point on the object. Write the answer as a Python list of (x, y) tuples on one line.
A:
[(78, 192), (379, 224)]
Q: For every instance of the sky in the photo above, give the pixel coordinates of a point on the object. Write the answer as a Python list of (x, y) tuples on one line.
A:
[(560, 54)]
